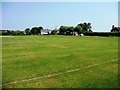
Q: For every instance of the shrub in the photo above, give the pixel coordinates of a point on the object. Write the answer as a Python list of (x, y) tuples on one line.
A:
[(107, 34)]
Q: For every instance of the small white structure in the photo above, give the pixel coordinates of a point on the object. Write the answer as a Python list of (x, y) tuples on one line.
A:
[(45, 31), (81, 34), (75, 33)]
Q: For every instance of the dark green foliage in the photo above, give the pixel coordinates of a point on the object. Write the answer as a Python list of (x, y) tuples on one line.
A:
[(6, 32), (40, 28), (21, 33), (17, 33), (54, 32), (27, 31), (36, 30), (86, 27), (78, 29), (107, 34), (0, 32), (70, 30), (14, 33), (9, 32), (63, 30), (82, 28)]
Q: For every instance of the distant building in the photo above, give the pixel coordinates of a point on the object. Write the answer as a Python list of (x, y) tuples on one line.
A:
[(115, 29), (45, 31)]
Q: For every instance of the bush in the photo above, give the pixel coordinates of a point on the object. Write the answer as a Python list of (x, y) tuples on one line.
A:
[(107, 34)]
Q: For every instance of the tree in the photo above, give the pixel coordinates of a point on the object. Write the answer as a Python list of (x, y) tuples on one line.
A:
[(78, 29), (81, 25), (63, 29), (89, 27), (39, 29), (8, 32), (70, 30), (36, 30), (86, 27), (21, 33), (27, 31), (54, 32), (14, 33)]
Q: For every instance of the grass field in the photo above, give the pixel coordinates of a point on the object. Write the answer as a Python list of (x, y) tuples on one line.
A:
[(59, 62)]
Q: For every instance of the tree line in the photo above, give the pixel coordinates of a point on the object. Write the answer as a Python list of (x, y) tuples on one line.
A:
[(79, 29), (63, 30), (27, 31), (33, 31)]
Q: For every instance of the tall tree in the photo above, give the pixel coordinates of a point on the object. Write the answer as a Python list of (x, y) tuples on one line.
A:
[(39, 29), (78, 29), (70, 30), (27, 31), (63, 29), (34, 31), (89, 27), (86, 27)]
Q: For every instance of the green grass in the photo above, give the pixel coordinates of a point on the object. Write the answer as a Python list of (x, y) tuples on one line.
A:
[(33, 56)]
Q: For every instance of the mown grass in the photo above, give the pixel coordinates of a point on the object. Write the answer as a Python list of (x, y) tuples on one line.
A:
[(32, 56)]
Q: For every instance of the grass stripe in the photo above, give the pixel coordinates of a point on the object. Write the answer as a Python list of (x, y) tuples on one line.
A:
[(55, 74)]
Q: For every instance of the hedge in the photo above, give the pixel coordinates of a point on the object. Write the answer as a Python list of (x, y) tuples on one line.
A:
[(107, 34)]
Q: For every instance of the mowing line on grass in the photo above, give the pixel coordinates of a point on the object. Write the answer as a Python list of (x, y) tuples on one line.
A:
[(55, 74)]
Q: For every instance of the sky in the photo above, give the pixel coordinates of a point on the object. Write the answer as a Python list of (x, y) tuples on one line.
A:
[(50, 15)]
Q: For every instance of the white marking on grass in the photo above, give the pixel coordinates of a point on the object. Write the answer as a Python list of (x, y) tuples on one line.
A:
[(55, 74), (7, 36)]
